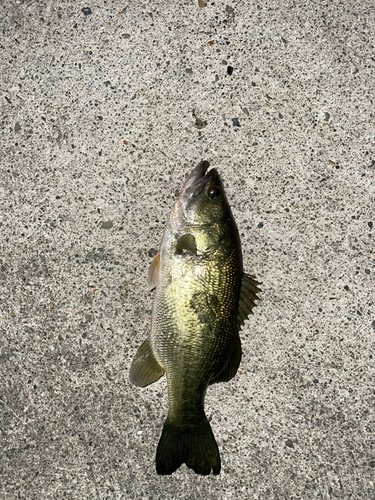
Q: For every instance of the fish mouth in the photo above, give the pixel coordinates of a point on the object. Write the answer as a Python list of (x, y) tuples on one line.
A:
[(192, 187), (198, 177)]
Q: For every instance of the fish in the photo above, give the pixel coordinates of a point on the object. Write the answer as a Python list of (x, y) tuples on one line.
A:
[(202, 298)]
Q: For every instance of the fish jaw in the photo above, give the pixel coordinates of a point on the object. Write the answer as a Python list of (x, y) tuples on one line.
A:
[(197, 174), (178, 217), (193, 186)]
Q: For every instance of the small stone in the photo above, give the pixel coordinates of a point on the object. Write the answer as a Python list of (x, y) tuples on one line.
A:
[(367, 271), (327, 116), (152, 252), (125, 35), (289, 443), (229, 10), (235, 122), (107, 224), (369, 225), (87, 11), (189, 71), (229, 70), (88, 317), (17, 127), (200, 123), (202, 3), (260, 225), (281, 116)]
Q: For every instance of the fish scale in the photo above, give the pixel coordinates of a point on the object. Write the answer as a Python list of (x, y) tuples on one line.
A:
[(202, 298)]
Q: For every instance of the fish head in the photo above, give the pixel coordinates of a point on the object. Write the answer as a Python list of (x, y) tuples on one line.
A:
[(201, 201)]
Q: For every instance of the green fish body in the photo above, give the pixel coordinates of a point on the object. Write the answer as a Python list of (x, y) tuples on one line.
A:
[(202, 297)]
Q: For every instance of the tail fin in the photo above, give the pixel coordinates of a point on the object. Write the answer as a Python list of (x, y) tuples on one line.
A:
[(194, 445)]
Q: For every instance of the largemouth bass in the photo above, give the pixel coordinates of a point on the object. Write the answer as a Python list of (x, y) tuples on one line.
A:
[(202, 298)]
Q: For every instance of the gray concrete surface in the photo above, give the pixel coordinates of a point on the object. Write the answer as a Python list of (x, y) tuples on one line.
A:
[(105, 108)]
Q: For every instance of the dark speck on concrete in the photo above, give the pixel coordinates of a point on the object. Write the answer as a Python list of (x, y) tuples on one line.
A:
[(17, 127), (289, 443), (189, 71), (229, 70), (260, 225), (367, 271), (199, 123), (87, 11), (235, 122), (152, 252), (107, 224), (369, 225)]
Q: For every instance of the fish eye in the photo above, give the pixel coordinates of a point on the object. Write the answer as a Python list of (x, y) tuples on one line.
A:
[(214, 193)]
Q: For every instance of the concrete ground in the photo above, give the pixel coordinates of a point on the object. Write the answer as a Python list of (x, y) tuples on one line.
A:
[(105, 108)]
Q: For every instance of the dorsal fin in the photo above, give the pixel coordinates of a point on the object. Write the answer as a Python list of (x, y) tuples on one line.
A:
[(153, 272), (232, 364), (248, 294)]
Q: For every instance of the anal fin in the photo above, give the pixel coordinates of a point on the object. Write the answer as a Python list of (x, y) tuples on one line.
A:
[(145, 369)]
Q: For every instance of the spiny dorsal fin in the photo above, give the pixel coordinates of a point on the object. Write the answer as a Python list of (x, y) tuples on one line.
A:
[(145, 369), (248, 294), (232, 364), (153, 272)]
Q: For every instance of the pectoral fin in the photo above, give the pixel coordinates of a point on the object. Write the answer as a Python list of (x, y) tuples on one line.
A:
[(232, 364), (153, 272), (248, 294), (145, 369)]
